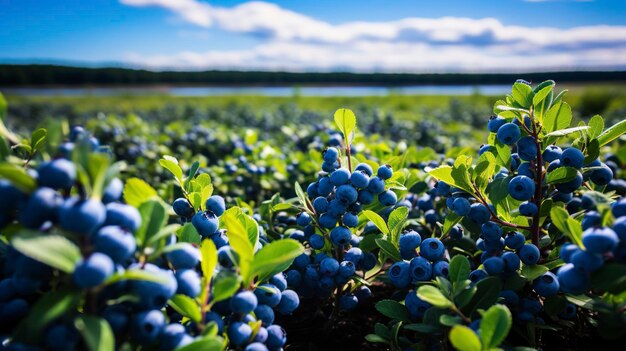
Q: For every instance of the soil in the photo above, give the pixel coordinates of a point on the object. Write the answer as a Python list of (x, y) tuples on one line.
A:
[(309, 329)]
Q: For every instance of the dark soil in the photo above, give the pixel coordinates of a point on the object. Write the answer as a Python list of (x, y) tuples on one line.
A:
[(310, 328)]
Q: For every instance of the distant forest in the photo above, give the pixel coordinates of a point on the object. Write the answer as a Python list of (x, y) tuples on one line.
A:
[(42, 75)]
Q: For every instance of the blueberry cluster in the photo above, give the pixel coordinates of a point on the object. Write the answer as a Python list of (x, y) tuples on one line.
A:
[(319, 275), (601, 243), (416, 267)]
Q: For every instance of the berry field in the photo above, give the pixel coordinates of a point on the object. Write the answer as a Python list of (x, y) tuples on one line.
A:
[(248, 223)]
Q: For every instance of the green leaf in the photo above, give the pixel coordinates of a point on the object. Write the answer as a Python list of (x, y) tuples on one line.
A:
[(532, 272), (375, 339), (459, 269), (611, 278), (484, 170), (393, 309), (433, 296), (238, 238), (561, 219), (136, 192), (275, 257), (300, 194), (450, 321), (346, 122), (186, 306), (137, 274), (396, 221), (596, 125), (495, 326), (568, 131), (443, 173), (163, 233), (523, 94), (464, 339), (189, 234), (208, 252), (559, 116), (153, 219), (451, 220), (96, 332), (561, 175), (389, 249), (38, 138), (54, 250), (612, 133), (378, 221), (503, 154), (171, 164), (48, 308), (205, 194), (214, 343), (18, 177), (543, 98), (225, 285), (487, 293)]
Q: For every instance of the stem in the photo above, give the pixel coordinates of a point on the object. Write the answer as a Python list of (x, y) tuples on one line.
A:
[(458, 312), (538, 197), (349, 158), (494, 217)]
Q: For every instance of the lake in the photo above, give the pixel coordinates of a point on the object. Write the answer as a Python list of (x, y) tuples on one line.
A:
[(263, 90)]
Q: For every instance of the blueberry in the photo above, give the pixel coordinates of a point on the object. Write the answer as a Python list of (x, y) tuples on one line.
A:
[(600, 240), (216, 205), (330, 155), (320, 204), (93, 271), (456, 232), (348, 302), (495, 122), (42, 206), (347, 269), (182, 207), (521, 188), (188, 282), (82, 216), (587, 261), (528, 209), (400, 274), (347, 194), (226, 256), (57, 174), (551, 153), (316, 241), (153, 295), (61, 338), (388, 198), (494, 265), (479, 213), (508, 134), (618, 208), (602, 176), (526, 169), (239, 333), (214, 317), (416, 306), (173, 336), (619, 226), (366, 197), (432, 249), (303, 219), (324, 186), (440, 269), (146, 326), (591, 219), (328, 221), (511, 261), (360, 179), (289, 301), (369, 261), (527, 149), (354, 255), (243, 302), (329, 266), (256, 346), (367, 169), (340, 236), (461, 206), (384, 172), (529, 254), (571, 185), (123, 215), (276, 337), (350, 220), (376, 185), (115, 242), (408, 243), (477, 275), (279, 281), (340, 177), (491, 231), (567, 250), (185, 256), (572, 279), (265, 314), (206, 223), (510, 298), (572, 157), (421, 269)]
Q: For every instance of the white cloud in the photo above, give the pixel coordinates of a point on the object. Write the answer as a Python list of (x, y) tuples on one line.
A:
[(298, 42)]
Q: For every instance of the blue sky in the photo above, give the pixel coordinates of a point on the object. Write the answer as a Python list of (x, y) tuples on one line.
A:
[(377, 35)]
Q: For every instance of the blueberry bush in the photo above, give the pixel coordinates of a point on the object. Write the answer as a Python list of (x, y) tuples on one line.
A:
[(108, 242)]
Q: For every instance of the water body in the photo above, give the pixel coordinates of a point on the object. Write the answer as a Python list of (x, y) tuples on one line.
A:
[(198, 91)]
